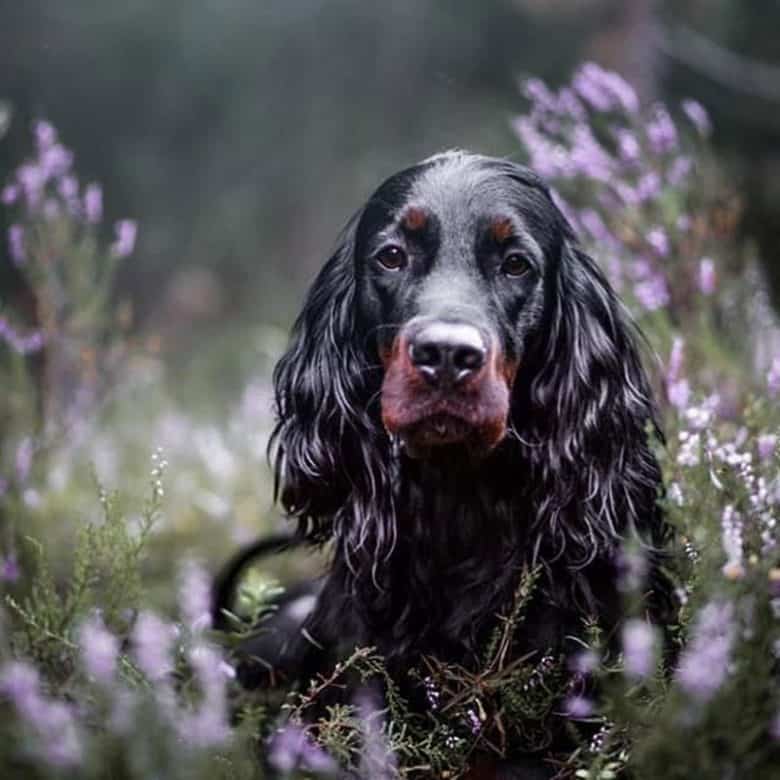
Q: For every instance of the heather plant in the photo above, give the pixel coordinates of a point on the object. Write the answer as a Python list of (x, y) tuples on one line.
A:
[(108, 666)]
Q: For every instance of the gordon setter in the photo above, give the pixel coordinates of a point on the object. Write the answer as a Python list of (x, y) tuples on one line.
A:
[(462, 397)]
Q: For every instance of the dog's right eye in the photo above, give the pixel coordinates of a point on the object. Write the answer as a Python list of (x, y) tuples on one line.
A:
[(393, 258)]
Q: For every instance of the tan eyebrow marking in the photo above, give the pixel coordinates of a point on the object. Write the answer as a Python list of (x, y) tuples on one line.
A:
[(414, 218), (502, 229)]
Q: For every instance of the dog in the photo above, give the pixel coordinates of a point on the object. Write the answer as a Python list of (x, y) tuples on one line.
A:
[(463, 397)]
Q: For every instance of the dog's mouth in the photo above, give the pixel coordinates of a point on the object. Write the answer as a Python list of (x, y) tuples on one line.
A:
[(438, 430), (443, 435)]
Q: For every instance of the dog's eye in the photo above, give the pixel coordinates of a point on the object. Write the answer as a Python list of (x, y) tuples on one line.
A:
[(515, 264), (393, 258)]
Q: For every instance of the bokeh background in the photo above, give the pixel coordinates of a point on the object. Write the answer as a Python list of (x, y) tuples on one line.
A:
[(241, 135)]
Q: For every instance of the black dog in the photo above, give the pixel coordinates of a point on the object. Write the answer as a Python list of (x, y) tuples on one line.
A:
[(463, 396)]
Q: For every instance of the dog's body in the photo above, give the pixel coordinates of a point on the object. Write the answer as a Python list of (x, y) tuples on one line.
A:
[(462, 398)]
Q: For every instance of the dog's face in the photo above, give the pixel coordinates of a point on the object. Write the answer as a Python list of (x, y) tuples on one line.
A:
[(451, 259)]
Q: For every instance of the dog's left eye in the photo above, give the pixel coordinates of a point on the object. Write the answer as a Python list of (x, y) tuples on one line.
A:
[(393, 258), (515, 264)]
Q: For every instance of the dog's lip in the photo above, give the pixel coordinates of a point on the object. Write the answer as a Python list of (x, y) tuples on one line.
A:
[(439, 428)]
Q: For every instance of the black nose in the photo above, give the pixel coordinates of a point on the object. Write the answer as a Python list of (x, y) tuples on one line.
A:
[(447, 353)]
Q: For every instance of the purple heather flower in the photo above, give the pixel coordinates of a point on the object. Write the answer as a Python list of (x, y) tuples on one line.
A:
[(638, 648), (587, 157), (679, 170), (9, 568), (24, 345), (53, 721), (731, 525), (652, 292), (377, 759), (24, 459), (659, 241), (291, 748), (16, 244), (648, 186), (539, 94), (61, 744), (153, 641), (45, 134), (32, 182), (632, 568), (93, 204), (545, 157), (208, 725), (55, 161), (677, 387), (773, 377), (661, 132), (674, 369), (628, 195), (698, 115), (195, 596), (767, 444), (19, 681), (706, 278), (9, 194), (68, 187), (577, 707), (592, 222), (126, 230), (569, 105), (604, 89), (584, 663), (704, 665), (679, 393), (628, 146), (589, 86), (99, 650)]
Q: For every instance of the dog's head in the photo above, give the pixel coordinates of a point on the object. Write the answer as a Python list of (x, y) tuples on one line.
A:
[(457, 313), (450, 262)]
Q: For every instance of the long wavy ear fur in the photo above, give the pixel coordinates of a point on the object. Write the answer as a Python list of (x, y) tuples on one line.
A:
[(324, 446), (592, 416)]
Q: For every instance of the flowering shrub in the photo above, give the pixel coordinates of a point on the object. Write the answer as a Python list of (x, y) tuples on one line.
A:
[(104, 673)]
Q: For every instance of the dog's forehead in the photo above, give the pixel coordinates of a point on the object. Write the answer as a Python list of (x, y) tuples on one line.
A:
[(457, 189), (460, 189)]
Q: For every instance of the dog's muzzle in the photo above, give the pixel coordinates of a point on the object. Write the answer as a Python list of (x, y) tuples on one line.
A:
[(443, 386)]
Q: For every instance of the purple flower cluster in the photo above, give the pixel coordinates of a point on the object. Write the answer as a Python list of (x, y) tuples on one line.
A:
[(54, 731), (291, 748), (704, 665), (639, 648), (207, 725), (99, 651), (24, 345), (594, 134), (46, 187)]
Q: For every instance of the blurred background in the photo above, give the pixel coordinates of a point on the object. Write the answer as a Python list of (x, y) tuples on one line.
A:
[(241, 135)]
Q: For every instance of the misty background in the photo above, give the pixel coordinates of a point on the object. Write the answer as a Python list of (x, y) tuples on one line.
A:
[(241, 134)]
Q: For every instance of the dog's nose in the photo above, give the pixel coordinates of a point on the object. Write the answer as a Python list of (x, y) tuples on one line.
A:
[(447, 353)]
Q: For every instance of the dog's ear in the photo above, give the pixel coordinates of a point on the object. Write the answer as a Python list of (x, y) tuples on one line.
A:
[(594, 414), (323, 422)]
